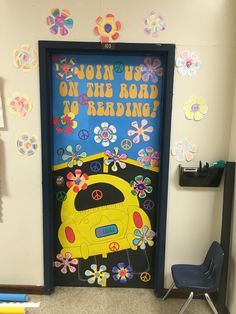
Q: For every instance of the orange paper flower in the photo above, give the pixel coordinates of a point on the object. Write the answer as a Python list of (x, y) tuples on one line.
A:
[(107, 28)]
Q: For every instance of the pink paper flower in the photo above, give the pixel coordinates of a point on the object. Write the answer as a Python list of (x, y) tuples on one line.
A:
[(67, 263), (77, 181), (188, 63), (140, 131), (184, 150), (154, 24), (19, 104)]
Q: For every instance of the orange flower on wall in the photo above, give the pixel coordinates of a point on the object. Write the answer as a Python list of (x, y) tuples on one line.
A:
[(107, 28)]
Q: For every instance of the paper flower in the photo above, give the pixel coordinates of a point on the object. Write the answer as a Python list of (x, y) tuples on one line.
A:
[(65, 69), (188, 63), (154, 24), (27, 144), (78, 181), (115, 158), (107, 28), (148, 157), (105, 134), (65, 123), (25, 58), (144, 237), (19, 104), (151, 69), (184, 150), (140, 131), (59, 20), (100, 275), (67, 263), (74, 157), (141, 186), (195, 108), (122, 273)]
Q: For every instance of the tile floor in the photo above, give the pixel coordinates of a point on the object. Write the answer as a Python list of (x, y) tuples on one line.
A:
[(75, 300)]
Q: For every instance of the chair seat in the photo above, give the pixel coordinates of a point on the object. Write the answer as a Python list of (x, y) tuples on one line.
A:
[(192, 277)]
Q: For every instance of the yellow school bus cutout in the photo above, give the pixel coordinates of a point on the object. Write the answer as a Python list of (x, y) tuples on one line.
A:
[(104, 229)]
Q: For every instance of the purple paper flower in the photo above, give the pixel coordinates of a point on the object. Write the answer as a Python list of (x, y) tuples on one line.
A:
[(122, 273), (151, 69), (115, 158), (59, 20)]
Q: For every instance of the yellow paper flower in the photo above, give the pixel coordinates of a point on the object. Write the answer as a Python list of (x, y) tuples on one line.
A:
[(195, 108)]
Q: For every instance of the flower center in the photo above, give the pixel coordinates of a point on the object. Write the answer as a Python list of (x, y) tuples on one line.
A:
[(105, 134), (97, 274), (59, 21), (123, 272), (108, 28), (141, 186), (65, 68), (195, 107), (77, 181), (25, 57), (189, 63)]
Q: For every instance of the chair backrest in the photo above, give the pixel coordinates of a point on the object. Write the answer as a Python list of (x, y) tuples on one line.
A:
[(213, 263)]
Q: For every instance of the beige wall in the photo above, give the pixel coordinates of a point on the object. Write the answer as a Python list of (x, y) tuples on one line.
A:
[(193, 215)]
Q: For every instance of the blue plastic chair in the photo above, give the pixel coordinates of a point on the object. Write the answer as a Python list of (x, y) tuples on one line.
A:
[(200, 279)]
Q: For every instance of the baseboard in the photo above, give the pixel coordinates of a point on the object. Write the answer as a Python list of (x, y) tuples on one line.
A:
[(21, 289)]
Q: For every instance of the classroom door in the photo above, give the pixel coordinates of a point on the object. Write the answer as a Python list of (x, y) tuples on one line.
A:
[(107, 121)]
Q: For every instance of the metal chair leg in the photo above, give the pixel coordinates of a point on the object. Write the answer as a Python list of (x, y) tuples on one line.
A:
[(210, 303), (186, 304), (168, 291)]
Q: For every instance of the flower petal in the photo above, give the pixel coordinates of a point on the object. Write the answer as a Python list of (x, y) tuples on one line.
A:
[(198, 116), (91, 280)]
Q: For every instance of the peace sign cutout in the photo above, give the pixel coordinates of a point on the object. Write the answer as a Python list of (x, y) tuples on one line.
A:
[(83, 99), (97, 195), (148, 205), (145, 277), (126, 144), (95, 166), (61, 196), (114, 246), (119, 67), (83, 134)]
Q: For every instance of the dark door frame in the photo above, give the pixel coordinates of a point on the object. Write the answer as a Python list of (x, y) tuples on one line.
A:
[(46, 49)]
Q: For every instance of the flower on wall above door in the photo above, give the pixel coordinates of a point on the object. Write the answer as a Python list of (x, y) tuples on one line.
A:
[(154, 24), (188, 63), (184, 150), (59, 21), (25, 58), (195, 108), (107, 28)]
